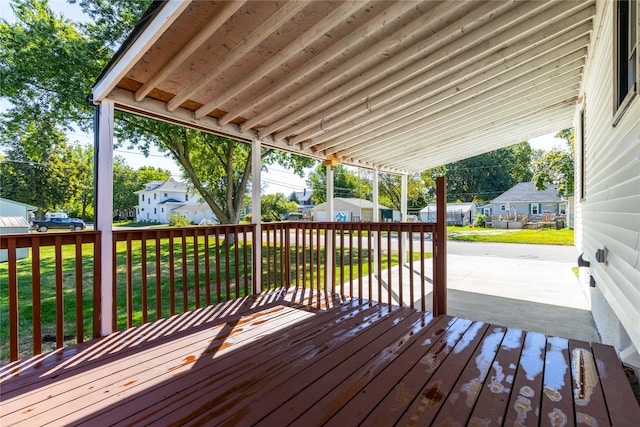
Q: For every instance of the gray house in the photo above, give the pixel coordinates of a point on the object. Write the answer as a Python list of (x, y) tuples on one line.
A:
[(524, 199)]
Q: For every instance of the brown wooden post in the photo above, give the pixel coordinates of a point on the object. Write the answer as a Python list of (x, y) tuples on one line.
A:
[(13, 299), (440, 255)]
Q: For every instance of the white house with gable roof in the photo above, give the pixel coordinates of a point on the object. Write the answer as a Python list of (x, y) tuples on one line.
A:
[(161, 199)]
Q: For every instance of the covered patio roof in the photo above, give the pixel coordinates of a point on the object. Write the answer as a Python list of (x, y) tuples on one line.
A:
[(393, 86)]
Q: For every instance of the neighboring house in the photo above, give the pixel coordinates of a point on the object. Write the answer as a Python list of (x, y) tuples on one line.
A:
[(457, 213), (14, 218), (305, 204), (353, 209), (161, 199), (525, 199)]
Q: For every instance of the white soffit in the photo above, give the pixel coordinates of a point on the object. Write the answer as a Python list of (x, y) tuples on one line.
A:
[(395, 86)]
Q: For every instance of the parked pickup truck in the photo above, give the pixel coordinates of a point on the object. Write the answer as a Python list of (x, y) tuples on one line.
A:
[(58, 223)]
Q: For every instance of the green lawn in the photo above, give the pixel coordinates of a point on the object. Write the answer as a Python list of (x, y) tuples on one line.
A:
[(219, 272), (564, 236)]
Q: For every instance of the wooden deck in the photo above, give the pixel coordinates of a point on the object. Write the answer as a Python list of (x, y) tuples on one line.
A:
[(277, 359)]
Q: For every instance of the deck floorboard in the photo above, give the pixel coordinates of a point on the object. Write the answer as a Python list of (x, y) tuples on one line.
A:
[(293, 358)]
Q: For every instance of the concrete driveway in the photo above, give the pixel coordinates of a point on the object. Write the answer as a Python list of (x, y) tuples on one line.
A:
[(530, 287)]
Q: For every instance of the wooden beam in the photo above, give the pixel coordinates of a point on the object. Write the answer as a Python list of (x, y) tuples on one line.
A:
[(163, 20), (268, 27), (363, 60), (464, 70), (452, 134), (429, 110), (320, 59), (477, 113), (494, 136), (227, 10), (430, 50), (319, 30)]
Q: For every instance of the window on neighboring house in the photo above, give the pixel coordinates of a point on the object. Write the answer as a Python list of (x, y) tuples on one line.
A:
[(155, 210), (503, 208), (626, 55), (143, 197), (149, 201), (142, 209), (162, 210), (186, 197), (154, 196), (165, 194), (535, 208)]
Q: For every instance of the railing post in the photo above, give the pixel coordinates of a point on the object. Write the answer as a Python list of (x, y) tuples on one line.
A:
[(440, 249)]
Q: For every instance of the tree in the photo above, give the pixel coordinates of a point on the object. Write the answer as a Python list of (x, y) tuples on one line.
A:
[(275, 207), (486, 176), (48, 66), (418, 191), (345, 184), (51, 183), (556, 166)]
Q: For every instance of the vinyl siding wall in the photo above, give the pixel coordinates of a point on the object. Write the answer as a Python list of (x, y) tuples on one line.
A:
[(609, 215)]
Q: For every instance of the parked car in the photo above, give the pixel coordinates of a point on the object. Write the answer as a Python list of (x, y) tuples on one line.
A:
[(74, 224)]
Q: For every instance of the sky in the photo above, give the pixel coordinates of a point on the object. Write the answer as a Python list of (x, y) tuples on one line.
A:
[(276, 180)]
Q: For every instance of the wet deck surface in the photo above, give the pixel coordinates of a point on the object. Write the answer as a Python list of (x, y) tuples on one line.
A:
[(274, 360)]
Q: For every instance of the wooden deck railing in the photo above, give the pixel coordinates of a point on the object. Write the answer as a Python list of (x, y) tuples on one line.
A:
[(386, 262), (161, 272), (55, 296)]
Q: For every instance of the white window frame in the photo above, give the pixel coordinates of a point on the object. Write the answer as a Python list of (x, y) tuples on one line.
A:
[(626, 37), (537, 208)]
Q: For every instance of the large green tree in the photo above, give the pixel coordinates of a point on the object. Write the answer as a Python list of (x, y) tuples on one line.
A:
[(346, 183), (275, 207), (484, 177), (48, 66), (556, 166)]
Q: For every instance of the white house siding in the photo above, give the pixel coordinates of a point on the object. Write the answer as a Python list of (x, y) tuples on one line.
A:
[(609, 215)]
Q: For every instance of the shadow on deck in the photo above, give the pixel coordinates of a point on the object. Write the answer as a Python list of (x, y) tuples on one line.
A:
[(288, 357)]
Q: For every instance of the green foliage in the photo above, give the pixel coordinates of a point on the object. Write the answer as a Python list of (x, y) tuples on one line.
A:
[(486, 176), (177, 220), (275, 207), (480, 221), (52, 183), (557, 166), (345, 184)]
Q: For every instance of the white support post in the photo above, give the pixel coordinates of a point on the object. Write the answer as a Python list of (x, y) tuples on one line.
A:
[(376, 202), (376, 218), (256, 213), (328, 240), (329, 180), (104, 209), (403, 212)]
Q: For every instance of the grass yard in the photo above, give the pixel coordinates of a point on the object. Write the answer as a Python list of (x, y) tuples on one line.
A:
[(564, 236), (220, 290)]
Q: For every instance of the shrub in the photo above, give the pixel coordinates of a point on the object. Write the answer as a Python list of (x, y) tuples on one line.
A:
[(177, 220), (480, 221)]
